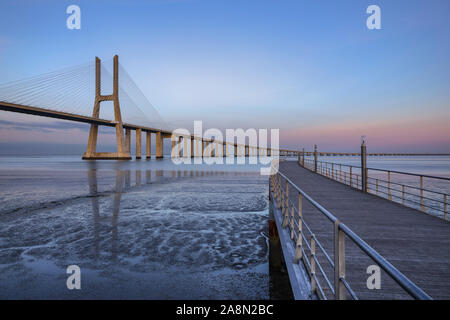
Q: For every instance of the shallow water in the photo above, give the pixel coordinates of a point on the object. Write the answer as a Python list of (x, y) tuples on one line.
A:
[(145, 229), (137, 229)]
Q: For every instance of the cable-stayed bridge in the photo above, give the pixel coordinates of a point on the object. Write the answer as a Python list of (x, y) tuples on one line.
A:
[(92, 93)]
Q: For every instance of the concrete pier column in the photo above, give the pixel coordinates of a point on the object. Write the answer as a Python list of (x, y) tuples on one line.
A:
[(180, 150), (173, 151), (149, 145), (203, 148), (159, 145), (128, 140), (185, 148), (192, 147), (199, 150), (235, 150), (138, 143)]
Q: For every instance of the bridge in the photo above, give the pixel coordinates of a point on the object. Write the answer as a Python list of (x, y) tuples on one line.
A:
[(67, 95), (333, 220), (42, 96)]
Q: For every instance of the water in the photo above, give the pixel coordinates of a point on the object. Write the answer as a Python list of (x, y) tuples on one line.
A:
[(144, 229), (137, 229)]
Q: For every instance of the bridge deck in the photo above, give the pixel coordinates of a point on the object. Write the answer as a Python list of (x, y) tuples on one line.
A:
[(416, 243)]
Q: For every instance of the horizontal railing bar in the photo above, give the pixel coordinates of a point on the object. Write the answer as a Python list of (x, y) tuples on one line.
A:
[(412, 201), (396, 275), (384, 170), (323, 274), (331, 217), (407, 185), (349, 289), (317, 241), (324, 297), (409, 193)]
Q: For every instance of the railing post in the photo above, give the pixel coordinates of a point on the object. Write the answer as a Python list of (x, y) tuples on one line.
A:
[(303, 157), (299, 245), (403, 194), (270, 187), (422, 206), (339, 262), (445, 207), (292, 224), (315, 158), (313, 265), (351, 177), (364, 170), (286, 205), (389, 186), (278, 188)]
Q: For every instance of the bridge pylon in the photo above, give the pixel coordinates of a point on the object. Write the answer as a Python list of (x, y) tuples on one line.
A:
[(122, 151)]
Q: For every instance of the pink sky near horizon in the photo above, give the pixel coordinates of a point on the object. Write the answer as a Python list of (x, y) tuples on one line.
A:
[(417, 135), (412, 135)]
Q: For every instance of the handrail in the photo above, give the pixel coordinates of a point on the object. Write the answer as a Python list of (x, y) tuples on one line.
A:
[(341, 230), (384, 170), (335, 172)]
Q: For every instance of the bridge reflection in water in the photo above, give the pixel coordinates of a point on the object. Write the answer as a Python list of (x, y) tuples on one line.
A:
[(161, 221)]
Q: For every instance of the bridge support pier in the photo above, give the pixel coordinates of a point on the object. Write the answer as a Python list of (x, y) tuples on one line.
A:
[(159, 145), (138, 144), (91, 151), (173, 151), (203, 148), (149, 145), (128, 140)]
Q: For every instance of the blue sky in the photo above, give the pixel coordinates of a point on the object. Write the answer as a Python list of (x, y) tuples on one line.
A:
[(310, 68)]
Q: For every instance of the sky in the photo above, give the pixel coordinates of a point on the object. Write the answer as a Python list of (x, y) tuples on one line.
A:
[(309, 68)]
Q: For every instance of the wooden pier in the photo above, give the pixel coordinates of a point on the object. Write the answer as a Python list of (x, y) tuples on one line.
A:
[(415, 243)]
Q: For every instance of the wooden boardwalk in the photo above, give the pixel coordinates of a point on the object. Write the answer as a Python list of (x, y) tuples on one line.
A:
[(415, 243)]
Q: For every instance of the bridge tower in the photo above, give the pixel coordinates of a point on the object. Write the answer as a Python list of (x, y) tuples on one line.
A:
[(122, 151)]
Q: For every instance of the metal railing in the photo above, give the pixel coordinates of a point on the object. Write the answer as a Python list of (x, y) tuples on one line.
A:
[(418, 197), (306, 251)]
